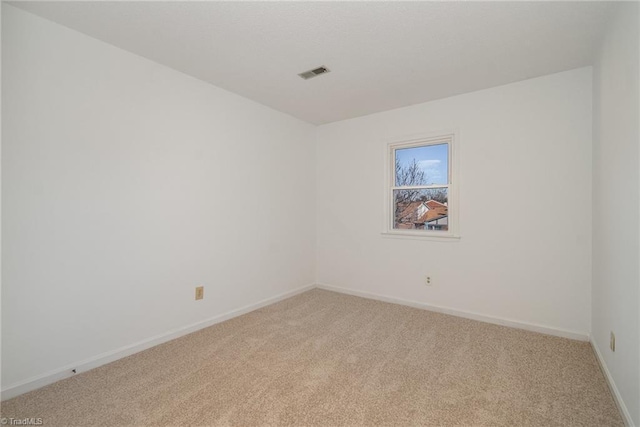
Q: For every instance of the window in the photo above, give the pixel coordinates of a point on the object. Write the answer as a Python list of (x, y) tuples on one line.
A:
[(420, 193)]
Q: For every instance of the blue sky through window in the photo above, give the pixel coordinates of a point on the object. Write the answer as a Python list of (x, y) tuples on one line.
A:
[(432, 159)]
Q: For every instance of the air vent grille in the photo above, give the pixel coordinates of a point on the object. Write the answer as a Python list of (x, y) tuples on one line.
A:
[(315, 72)]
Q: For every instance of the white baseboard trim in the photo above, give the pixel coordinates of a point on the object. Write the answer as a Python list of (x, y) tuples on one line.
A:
[(111, 356), (626, 416), (460, 313)]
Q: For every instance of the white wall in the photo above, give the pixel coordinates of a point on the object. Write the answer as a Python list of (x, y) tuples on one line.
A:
[(525, 205), (616, 189), (124, 185)]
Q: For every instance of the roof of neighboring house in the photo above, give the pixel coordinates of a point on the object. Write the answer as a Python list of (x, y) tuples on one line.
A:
[(409, 210), (436, 210), (432, 215), (434, 204), (435, 218)]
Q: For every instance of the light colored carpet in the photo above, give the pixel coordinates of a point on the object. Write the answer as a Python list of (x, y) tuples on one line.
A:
[(327, 359)]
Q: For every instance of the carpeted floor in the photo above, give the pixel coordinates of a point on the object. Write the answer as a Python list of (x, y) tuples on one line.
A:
[(327, 359)]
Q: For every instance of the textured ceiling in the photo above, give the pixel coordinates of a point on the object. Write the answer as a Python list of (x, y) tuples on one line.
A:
[(382, 55)]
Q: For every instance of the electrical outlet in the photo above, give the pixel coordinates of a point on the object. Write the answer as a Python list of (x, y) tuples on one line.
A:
[(199, 292), (612, 342), (427, 280)]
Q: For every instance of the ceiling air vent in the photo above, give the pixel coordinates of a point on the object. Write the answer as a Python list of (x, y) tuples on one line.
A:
[(315, 72)]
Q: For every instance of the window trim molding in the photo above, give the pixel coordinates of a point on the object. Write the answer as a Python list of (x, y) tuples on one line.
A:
[(452, 137)]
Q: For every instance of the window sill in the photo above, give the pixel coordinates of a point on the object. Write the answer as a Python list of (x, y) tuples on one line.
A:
[(433, 236)]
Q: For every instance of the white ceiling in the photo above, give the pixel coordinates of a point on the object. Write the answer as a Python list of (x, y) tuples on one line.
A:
[(382, 55)]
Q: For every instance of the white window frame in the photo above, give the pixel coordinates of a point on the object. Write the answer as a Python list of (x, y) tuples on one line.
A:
[(450, 138)]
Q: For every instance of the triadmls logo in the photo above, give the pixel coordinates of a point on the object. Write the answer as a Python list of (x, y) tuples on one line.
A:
[(21, 421)]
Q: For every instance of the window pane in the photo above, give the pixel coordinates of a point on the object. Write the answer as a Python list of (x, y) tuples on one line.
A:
[(421, 209), (426, 165)]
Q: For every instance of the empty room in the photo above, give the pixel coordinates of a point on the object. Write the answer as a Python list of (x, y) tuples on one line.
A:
[(320, 213)]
